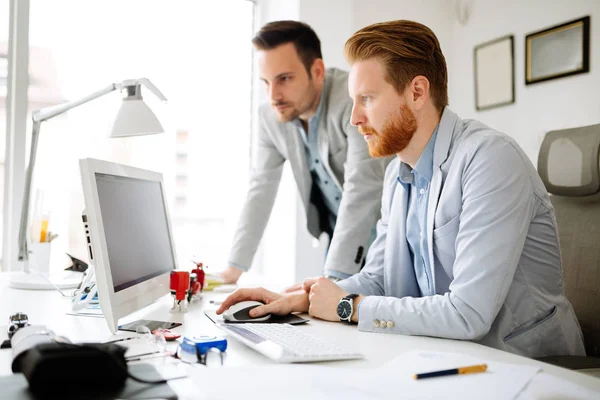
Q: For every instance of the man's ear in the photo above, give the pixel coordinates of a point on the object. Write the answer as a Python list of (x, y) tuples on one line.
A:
[(317, 70), (419, 91)]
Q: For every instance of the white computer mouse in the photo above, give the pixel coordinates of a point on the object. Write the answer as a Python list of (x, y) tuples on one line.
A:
[(239, 312)]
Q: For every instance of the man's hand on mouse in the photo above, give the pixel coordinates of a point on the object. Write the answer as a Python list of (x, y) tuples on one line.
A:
[(275, 303)]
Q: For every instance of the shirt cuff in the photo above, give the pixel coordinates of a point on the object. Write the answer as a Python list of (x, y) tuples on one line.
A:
[(358, 308), (336, 274), (245, 269)]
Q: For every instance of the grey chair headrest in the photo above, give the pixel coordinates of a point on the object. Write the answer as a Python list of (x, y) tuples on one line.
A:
[(569, 161)]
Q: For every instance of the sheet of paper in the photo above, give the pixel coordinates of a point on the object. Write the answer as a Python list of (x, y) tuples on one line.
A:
[(302, 381), (546, 386), (393, 380), (501, 381)]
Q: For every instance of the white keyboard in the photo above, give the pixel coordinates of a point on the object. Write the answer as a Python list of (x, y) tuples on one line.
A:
[(286, 343)]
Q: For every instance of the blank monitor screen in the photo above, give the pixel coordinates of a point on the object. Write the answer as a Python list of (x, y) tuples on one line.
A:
[(136, 229)]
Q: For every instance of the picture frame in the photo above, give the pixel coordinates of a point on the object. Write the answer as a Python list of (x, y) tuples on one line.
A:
[(559, 51), (494, 72)]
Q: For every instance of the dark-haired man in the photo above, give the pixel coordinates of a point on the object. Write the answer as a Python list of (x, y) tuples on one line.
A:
[(307, 122)]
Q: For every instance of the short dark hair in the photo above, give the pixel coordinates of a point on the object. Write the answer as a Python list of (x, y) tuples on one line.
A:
[(305, 40)]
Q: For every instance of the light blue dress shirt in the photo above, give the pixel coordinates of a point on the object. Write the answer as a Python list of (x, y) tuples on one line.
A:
[(332, 195), (417, 182)]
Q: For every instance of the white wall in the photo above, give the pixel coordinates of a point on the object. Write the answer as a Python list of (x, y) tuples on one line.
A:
[(555, 104), (332, 20)]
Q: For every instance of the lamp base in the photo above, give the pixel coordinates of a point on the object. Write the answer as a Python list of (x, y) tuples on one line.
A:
[(34, 281)]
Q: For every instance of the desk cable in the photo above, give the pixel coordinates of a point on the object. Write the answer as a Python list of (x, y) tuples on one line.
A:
[(73, 294)]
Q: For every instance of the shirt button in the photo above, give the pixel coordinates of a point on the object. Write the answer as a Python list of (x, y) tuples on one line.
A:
[(383, 324), (376, 323), (326, 182), (337, 198), (422, 191), (390, 324), (316, 161)]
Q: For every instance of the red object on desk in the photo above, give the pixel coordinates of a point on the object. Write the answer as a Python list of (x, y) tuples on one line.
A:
[(180, 283), (199, 271)]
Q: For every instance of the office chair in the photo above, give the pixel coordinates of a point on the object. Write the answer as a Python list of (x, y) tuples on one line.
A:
[(569, 165)]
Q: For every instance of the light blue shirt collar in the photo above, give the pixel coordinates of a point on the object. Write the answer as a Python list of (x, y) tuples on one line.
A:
[(424, 167)]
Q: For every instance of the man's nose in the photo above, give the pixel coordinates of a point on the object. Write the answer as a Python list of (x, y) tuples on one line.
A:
[(357, 117), (273, 93)]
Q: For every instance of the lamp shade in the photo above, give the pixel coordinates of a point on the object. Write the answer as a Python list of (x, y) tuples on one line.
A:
[(135, 118)]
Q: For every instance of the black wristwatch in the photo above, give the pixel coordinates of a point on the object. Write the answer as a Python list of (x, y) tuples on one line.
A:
[(345, 308)]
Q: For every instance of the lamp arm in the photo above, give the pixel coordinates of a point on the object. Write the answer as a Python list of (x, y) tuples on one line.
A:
[(23, 253), (38, 117), (52, 111)]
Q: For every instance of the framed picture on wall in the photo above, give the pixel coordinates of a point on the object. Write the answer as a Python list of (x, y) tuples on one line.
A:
[(494, 73), (559, 51)]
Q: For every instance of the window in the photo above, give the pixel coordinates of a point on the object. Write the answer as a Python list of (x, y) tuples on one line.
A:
[(199, 55), (4, 26)]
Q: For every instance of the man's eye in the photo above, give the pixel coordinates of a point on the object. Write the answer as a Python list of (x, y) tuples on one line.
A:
[(365, 98), (286, 78)]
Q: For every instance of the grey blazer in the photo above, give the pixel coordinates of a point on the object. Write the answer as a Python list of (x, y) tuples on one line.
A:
[(495, 253), (345, 156)]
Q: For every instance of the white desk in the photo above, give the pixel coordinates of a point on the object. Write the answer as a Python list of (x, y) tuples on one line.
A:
[(49, 308)]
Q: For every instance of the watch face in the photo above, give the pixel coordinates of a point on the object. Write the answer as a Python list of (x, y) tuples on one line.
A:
[(344, 309)]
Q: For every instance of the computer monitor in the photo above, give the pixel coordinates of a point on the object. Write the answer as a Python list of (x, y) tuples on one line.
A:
[(129, 236)]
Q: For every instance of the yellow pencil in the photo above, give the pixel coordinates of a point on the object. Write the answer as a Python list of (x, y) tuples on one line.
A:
[(44, 230), (454, 371)]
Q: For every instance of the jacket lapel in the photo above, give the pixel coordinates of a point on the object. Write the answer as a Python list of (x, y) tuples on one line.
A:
[(440, 154), (323, 132)]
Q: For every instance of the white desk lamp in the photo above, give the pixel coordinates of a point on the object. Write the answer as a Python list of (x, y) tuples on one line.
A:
[(134, 118)]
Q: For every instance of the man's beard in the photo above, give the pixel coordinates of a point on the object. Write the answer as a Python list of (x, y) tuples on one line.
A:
[(294, 111), (289, 114), (396, 134)]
